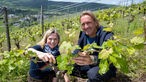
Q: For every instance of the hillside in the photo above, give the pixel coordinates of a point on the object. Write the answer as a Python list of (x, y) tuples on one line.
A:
[(27, 12), (50, 7)]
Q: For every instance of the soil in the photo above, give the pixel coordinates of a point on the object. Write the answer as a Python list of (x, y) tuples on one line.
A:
[(120, 78), (141, 79)]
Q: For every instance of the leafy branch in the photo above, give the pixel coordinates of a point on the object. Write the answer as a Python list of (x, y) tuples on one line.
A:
[(116, 52)]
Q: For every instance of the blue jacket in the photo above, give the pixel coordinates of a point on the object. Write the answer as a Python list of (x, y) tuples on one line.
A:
[(100, 38)]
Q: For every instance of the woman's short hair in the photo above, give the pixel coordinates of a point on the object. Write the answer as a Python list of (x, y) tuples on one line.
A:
[(46, 35)]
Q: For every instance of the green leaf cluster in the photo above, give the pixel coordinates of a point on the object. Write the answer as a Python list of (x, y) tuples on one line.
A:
[(13, 65), (116, 52), (65, 61)]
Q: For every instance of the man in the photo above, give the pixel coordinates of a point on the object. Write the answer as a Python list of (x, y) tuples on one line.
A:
[(87, 66)]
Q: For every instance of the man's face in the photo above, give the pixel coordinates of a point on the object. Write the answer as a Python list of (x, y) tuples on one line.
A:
[(88, 25)]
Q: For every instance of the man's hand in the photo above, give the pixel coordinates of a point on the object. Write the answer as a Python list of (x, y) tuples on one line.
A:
[(83, 59)]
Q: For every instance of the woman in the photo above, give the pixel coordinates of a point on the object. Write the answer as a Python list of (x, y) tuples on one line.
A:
[(46, 50)]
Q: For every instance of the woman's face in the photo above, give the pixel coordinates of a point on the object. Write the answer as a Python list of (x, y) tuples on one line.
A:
[(88, 25), (53, 40)]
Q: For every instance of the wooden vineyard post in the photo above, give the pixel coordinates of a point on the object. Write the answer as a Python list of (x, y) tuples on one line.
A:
[(7, 28), (42, 20)]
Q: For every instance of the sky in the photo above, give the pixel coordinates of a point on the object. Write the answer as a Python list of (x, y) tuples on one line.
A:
[(115, 2)]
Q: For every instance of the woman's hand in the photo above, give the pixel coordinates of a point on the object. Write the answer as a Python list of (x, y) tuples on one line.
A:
[(83, 59), (47, 57)]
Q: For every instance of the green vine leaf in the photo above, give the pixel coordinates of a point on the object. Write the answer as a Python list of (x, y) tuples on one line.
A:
[(65, 61), (137, 40), (105, 53), (122, 64), (103, 66), (108, 29), (131, 50)]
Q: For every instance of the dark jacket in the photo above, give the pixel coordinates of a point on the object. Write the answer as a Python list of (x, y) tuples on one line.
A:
[(100, 38), (35, 71)]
